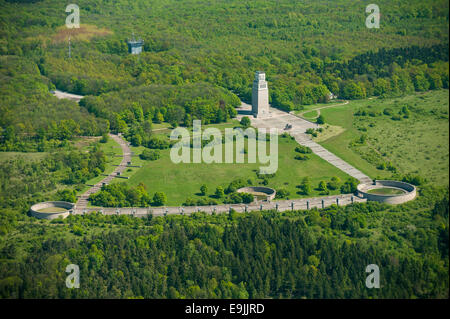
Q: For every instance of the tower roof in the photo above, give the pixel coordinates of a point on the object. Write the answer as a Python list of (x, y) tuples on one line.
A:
[(134, 41)]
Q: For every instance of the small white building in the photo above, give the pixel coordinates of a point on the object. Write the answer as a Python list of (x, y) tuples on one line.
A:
[(135, 46)]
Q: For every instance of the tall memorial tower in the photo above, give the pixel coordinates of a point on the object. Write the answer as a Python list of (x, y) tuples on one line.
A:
[(260, 95)]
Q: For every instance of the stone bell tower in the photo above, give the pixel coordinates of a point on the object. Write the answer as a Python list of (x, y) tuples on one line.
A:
[(260, 95)]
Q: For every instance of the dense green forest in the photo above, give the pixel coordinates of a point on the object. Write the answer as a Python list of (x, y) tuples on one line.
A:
[(132, 111), (299, 254), (31, 118), (198, 62), (307, 49)]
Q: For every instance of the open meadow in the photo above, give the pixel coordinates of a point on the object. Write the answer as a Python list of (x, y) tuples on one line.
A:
[(410, 132)]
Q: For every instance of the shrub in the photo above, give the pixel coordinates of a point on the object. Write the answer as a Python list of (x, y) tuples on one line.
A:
[(282, 193), (104, 138), (405, 111), (202, 202), (414, 179), (189, 202), (67, 195), (235, 185), (158, 143), (219, 192), (235, 198), (391, 167), (151, 155), (320, 119), (159, 199), (77, 230), (334, 183), (203, 189), (247, 198), (245, 121), (303, 149), (323, 187), (305, 186), (349, 186), (136, 140), (301, 157)]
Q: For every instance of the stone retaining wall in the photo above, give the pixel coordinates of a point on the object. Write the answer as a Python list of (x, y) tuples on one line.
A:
[(270, 192), (34, 210), (410, 192)]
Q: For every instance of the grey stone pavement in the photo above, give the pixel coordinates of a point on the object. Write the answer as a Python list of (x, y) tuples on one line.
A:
[(279, 119), (281, 205)]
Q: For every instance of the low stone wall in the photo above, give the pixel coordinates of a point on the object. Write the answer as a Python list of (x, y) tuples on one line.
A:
[(270, 192), (34, 210), (278, 205), (410, 192)]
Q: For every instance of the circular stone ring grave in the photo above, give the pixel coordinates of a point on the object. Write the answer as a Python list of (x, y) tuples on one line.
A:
[(51, 210), (384, 191), (259, 192)]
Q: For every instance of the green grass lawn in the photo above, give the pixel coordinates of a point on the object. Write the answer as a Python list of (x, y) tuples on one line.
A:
[(181, 181), (52, 210), (160, 126), (386, 191), (310, 115), (318, 105), (417, 145)]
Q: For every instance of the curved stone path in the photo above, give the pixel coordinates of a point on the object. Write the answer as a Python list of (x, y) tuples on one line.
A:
[(318, 110), (82, 202), (281, 205), (279, 119)]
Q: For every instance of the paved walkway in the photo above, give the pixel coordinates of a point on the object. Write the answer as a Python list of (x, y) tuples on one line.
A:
[(318, 110), (82, 202), (282, 205), (279, 119)]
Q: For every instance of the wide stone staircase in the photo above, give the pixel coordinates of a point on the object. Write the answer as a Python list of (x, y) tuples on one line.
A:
[(305, 140)]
